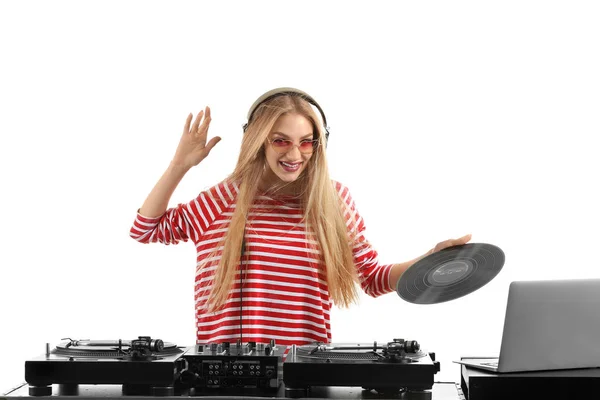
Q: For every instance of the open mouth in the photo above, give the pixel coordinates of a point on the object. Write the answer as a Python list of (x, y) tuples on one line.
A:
[(290, 167)]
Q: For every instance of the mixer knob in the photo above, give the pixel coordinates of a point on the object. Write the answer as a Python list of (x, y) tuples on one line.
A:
[(251, 345)]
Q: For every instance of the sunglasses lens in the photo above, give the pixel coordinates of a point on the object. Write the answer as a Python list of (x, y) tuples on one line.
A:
[(281, 145), (306, 146)]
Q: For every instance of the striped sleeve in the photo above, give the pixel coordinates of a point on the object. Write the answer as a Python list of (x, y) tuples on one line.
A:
[(374, 277), (185, 221)]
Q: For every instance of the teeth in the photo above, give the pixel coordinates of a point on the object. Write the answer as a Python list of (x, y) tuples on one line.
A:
[(290, 165)]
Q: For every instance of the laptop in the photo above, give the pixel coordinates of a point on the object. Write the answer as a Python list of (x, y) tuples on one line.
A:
[(549, 325)]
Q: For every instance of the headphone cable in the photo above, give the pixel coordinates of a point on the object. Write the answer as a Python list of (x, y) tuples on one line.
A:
[(242, 271)]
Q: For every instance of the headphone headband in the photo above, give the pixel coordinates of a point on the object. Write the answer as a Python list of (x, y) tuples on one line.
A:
[(283, 91)]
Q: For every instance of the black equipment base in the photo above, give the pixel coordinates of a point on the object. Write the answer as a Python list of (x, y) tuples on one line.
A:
[(561, 384)]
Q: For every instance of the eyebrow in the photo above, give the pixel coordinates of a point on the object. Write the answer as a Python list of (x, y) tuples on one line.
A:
[(283, 134)]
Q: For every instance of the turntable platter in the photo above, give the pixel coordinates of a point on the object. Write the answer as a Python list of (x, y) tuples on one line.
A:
[(114, 348)]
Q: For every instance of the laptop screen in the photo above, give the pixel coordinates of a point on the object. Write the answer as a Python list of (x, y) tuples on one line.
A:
[(552, 324)]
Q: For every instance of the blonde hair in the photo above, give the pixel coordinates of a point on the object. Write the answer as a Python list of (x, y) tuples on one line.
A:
[(324, 209)]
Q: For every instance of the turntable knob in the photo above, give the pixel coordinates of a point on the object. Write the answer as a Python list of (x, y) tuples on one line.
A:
[(412, 346), (157, 345)]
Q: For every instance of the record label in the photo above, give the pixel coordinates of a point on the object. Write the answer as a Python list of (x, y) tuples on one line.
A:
[(450, 272)]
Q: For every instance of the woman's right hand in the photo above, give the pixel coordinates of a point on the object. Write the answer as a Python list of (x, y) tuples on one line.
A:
[(192, 146)]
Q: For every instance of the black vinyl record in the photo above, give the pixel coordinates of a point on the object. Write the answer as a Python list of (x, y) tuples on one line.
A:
[(450, 273)]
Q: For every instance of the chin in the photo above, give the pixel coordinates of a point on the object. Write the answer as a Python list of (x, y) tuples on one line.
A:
[(288, 178)]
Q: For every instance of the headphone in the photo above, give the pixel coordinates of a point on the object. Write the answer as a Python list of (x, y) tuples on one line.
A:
[(287, 91)]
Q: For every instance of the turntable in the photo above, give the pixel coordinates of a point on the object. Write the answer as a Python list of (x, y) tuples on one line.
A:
[(143, 365), (399, 365)]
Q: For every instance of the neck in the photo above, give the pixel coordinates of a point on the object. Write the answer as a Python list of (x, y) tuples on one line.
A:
[(270, 183)]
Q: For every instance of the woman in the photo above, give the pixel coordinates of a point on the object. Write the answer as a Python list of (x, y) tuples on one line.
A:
[(277, 242)]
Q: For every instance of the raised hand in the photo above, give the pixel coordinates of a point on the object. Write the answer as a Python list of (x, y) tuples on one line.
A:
[(193, 148)]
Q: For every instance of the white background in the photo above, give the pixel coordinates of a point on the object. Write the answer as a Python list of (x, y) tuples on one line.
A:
[(447, 118)]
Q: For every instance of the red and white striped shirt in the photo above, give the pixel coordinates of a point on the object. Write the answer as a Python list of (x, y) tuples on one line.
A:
[(284, 295)]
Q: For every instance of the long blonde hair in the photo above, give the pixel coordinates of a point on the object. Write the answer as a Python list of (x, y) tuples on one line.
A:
[(324, 209)]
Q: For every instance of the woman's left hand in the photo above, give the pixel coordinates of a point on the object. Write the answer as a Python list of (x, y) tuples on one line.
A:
[(450, 243)]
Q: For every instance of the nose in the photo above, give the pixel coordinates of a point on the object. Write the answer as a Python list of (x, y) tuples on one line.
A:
[(294, 152)]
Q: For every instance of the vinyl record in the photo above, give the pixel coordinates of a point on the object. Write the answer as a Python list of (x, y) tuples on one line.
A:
[(450, 273)]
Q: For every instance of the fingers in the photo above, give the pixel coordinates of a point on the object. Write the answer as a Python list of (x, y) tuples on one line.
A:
[(194, 128), (186, 127), (459, 241), (452, 242), (212, 142), (464, 239), (201, 128)]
